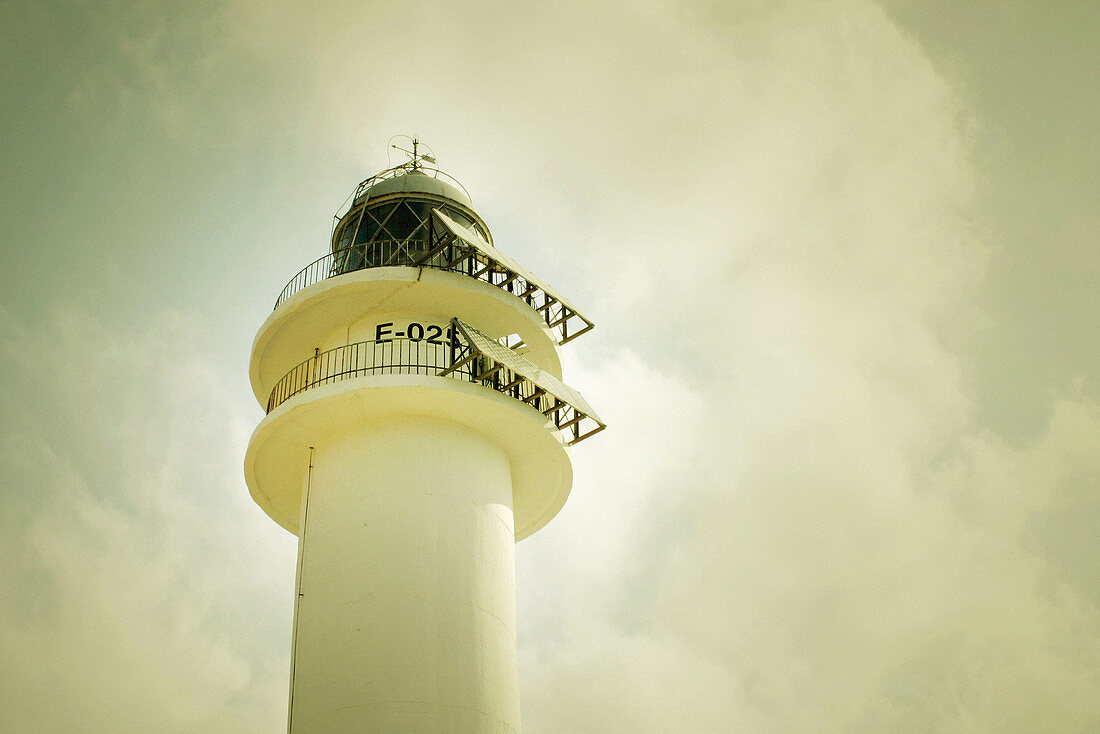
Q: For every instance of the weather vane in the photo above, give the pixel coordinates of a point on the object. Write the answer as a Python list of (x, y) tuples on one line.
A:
[(416, 158)]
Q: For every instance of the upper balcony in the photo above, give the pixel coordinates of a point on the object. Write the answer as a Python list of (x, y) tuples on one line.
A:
[(424, 231)]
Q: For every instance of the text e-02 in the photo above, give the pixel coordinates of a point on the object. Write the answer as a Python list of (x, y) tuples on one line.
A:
[(414, 332)]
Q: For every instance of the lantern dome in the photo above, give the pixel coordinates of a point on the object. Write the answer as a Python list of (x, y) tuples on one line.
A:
[(412, 181)]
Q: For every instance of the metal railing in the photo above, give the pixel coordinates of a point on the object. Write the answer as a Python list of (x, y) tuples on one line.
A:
[(375, 254), (454, 358), (442, 254), (379, 357), (401, 356)]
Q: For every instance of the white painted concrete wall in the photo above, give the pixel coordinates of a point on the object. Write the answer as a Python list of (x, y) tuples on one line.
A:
[(406, 609)]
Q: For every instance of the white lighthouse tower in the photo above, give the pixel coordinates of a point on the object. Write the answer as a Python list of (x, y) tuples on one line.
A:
[(416, 428)]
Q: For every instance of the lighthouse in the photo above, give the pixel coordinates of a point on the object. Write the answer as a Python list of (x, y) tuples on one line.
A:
[(417, 427)]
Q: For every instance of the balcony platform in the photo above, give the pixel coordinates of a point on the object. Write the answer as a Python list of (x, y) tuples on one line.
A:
[(278, 453)]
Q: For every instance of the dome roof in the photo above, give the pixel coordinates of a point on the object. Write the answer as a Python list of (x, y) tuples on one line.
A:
[(416, 181)]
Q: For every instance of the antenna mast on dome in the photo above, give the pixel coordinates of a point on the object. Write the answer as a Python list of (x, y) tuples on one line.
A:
[(416, 158)]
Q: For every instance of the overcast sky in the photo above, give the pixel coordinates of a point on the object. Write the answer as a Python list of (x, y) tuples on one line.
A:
[(842, 257)]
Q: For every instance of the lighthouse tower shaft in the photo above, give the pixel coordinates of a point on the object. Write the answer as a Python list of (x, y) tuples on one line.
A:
[(416, 429), (423, 637)]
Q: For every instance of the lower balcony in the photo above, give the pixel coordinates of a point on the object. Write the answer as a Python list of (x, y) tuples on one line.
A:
[(468, 355)]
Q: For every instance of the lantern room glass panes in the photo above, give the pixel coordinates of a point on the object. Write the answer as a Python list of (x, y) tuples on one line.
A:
[(391, 233)]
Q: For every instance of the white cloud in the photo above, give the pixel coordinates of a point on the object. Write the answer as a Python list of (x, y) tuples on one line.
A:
[(140, 590), (844, 551)]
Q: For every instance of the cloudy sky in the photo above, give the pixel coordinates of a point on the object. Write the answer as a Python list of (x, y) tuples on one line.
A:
[(843, 261)]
